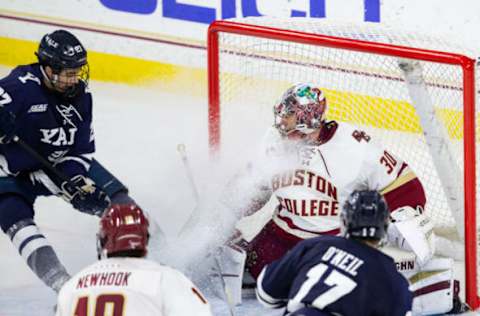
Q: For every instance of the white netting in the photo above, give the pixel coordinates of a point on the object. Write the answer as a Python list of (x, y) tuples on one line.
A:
[(365, 89)]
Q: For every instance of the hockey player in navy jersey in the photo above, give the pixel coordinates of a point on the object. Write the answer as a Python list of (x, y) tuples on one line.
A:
[(331, 275), (47, 105)]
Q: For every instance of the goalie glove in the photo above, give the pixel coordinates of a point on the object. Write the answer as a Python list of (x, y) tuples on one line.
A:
[(83, 194), (230, 263), (412, 231)]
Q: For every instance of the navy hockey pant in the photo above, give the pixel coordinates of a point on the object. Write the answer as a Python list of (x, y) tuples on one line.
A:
[(17, 194)]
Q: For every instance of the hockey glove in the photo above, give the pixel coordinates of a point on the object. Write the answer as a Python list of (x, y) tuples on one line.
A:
[(83, 194), (7, 126), (412, 230)]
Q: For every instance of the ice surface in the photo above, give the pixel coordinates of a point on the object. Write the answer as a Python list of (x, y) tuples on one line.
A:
[(137, 133)]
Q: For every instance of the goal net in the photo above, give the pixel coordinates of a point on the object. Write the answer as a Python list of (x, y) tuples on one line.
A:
[(429, 122)]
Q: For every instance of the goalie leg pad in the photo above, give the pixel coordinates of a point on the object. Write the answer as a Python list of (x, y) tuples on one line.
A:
[(433, 286), (232, 266)]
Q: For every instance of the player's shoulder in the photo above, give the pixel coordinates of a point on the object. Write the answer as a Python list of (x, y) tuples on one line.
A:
[(326, 241), (168, 276), (123, 263), (319, 242), (385, 267), (351, 133), (170, 272), (341, 128), (73, 281), (131, 263), (396, 277), (145, 265), (355, 139), (23, 83), (373, 255), (23, 76)]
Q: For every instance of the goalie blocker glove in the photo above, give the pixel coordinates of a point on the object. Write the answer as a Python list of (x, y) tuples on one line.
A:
[(84, 195)]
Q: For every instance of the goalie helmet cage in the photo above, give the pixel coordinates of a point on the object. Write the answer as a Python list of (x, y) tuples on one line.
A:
[(251, 61)]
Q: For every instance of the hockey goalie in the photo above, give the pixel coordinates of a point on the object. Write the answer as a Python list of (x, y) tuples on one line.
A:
[(309, 166)]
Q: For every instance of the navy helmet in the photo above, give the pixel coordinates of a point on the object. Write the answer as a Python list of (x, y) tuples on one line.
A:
[(61, 50), (365, 215)]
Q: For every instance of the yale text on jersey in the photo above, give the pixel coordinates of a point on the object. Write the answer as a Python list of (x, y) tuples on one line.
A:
[(58, 136)]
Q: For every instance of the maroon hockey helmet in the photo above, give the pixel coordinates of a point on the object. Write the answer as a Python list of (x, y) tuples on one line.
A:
[(307, 103), (123, 231)]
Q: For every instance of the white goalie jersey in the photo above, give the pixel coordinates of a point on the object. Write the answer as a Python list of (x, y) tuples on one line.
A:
[(130, 286), (311, 181)]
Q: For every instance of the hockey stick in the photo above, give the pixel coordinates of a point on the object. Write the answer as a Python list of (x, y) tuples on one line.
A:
[(228, 297), (40, 159), (46, 164), (188, 170), (63, 177)]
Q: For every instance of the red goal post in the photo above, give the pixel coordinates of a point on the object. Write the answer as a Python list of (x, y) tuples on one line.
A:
[(468, 90)]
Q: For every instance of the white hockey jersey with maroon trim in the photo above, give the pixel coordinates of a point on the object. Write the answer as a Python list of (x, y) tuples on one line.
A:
[(311, 182), (130, 286)]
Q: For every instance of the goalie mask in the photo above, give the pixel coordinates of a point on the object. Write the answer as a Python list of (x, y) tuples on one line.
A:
[(123, 232), (300, 110), (66, 56), (365, 215)]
